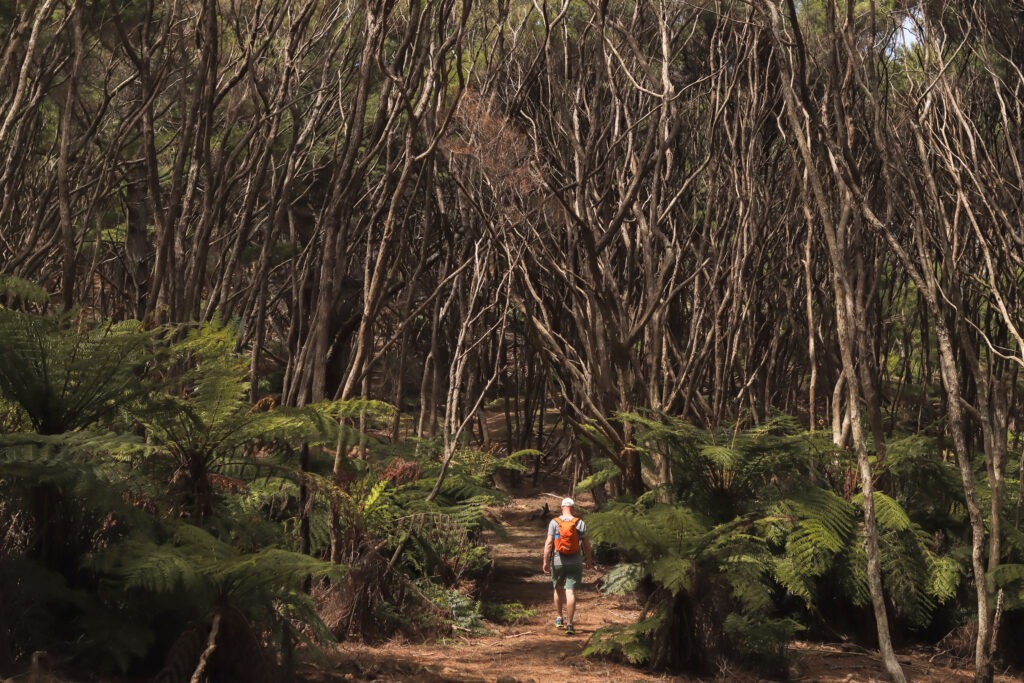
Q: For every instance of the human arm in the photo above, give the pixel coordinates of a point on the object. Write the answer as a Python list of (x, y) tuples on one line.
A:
[(548, 545), (587, 553)]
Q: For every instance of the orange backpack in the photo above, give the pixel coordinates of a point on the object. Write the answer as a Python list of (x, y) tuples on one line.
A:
[(567, 542)]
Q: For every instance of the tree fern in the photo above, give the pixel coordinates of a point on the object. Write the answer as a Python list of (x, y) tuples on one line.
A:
[(67, 375), (188, 432), (191, 562), (698, 574), (201, 421), (770, 518)]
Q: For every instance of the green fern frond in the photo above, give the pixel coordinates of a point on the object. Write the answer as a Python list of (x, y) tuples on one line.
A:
[(195, 562), (469, 511), (674, 573), (270, 491), (374, 496), (512, 462), (66, 376), (944, 578), (354, 408), (604, 471), (1014, 537), (623, 579), (298, 613), (761, 640), (319, 529), (632, 642), (661, 427), (779, 424), (852, 568), (246, 470), (85, 446), (806, 553), (674, 526), (160, 569), (927, 484), (622, 527), (214, 382), (889, 512), (286, 424), (1006, 575), (590, 433), (826, 517), (747, 576), (721, 456), (795, 578), (270, 568), (527, 453), (653, 532), (1008, 580), (906, 576), (814, 527), (94, 468), (462, 483), (653, 495), (25, 290)]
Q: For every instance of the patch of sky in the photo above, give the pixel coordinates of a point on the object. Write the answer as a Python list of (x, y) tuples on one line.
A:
[(908, 32)]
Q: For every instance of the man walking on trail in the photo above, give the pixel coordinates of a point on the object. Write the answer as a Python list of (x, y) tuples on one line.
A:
[(567, 540)]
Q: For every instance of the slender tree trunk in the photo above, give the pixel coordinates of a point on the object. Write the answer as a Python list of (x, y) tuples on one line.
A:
[(957, 429), (835, 229), (64, 190)]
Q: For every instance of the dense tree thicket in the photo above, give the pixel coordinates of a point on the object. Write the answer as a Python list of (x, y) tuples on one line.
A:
[(639, 233)]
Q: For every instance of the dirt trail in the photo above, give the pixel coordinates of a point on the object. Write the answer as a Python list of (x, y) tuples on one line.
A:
[(533, 650), (530, 650)]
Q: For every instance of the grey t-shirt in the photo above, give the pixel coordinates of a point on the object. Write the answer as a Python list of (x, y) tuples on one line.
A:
[(568, 560)]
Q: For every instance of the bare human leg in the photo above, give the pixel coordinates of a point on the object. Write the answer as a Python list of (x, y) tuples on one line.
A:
[(560, 600)]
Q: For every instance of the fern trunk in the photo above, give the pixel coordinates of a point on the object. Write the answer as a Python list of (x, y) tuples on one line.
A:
[(198, 489)]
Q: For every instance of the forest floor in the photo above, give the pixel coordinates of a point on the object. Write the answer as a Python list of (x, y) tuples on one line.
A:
[(533, 650)]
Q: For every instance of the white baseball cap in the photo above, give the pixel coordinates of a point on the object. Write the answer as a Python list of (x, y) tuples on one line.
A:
[(568, 502)]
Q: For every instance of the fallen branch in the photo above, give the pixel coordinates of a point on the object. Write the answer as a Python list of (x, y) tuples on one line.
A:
[(211, 645)]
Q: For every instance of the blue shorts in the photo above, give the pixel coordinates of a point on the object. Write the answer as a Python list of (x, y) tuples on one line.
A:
[(566, 576)]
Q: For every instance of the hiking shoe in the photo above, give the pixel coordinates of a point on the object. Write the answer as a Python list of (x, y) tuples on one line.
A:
[(559, 622), (570, 630)]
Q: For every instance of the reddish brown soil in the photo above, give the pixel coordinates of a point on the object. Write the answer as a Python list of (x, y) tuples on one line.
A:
[(533, 650)]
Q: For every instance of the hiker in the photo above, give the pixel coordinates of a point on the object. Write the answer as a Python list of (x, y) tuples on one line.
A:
[(567, 540)]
